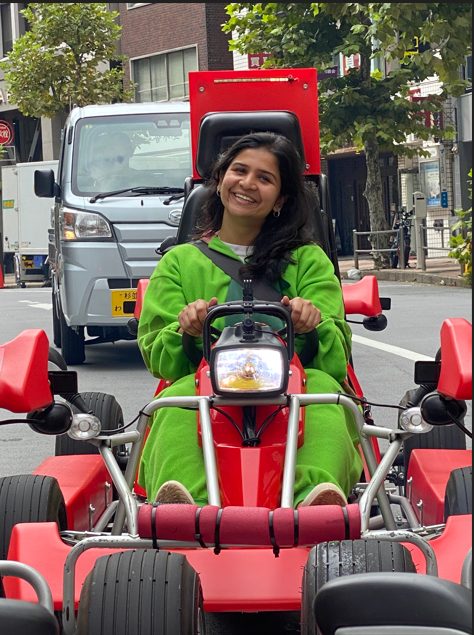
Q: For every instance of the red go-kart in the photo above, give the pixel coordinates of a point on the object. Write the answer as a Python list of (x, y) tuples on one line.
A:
[(115, 563)]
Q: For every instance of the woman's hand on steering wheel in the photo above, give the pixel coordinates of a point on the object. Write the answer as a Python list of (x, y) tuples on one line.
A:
[(304, 315), (191, 317)]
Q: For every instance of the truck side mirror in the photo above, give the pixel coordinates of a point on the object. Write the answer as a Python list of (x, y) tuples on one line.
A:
[(45, 186)]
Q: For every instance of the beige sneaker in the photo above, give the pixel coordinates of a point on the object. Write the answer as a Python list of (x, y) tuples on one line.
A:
[(325, 494), (173, 492)]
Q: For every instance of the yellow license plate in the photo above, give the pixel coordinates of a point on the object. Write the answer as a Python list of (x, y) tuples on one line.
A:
[(123, 302)]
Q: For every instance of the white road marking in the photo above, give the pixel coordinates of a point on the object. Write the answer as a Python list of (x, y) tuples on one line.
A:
[(38, 305), (395, 350)]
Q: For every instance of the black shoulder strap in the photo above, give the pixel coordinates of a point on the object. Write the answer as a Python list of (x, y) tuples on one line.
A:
[(261, 289)]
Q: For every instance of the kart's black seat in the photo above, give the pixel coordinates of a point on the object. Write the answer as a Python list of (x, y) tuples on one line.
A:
[(217, 132), (393, 603), (26, 618)]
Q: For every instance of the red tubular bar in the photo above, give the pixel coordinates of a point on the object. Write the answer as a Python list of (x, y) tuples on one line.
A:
[(212, 526)]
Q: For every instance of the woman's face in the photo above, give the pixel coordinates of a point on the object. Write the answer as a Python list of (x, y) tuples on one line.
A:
[(250, 187)]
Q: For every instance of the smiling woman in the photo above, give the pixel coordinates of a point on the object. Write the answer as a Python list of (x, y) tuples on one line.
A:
[(256, 212)]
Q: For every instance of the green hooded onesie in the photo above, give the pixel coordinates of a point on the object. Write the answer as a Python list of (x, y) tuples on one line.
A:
[(185, 274)]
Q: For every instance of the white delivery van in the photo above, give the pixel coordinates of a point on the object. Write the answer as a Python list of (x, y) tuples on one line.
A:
[(26, 219), (117, 196)]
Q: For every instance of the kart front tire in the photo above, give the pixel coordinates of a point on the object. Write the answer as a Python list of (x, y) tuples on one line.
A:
[(458, 497), (107, 409), (330, 560), (149, 591), (29, 498)]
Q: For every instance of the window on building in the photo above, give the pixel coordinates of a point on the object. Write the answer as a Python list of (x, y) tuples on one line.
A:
[(132, 5), (23, 25), (6, 24), (164, 77)]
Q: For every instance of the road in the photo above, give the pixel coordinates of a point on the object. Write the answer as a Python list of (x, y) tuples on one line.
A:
[(384, 363)]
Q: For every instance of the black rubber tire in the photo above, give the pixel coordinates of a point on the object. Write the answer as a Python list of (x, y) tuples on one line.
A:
[(148, 591), (56, 322), (29, 498), (72, 343), (458, 497), (330, 560), (57, 359), (107, 409)]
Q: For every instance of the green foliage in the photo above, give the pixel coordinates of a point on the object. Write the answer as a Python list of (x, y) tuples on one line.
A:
[(363, 105), (63, 59), (461, 240)]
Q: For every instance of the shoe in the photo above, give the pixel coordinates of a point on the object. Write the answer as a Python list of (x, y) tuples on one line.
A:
[(325, 494), (173, 492)]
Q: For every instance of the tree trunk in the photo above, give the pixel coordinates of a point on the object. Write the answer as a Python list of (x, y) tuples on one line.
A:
[(374, 195)]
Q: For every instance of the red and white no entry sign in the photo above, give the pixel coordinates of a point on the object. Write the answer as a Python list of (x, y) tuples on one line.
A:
[(6, 133)]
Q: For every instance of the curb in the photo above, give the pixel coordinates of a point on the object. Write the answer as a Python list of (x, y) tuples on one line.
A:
[(415, 276)]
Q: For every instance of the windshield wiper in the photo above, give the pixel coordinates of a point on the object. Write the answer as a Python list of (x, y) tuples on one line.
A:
[(142, 189)]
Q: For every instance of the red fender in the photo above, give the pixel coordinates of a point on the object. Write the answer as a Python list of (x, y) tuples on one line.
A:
[(24, 384), (455, 378)]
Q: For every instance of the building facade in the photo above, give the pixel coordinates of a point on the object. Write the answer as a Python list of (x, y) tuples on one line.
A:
[(23, 140), (162, 42)]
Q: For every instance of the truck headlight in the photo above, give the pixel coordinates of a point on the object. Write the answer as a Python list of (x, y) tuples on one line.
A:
[(76, 225)]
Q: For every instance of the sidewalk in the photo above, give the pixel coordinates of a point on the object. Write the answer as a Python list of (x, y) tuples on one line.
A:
[(439, 271)]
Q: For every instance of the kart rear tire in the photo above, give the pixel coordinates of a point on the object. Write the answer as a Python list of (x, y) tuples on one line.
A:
[(458, 497), (29, 498), (72, 343), (108, 411), (150, 591), (330, 560)]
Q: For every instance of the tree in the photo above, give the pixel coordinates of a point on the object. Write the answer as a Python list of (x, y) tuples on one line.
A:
[(461, 240), (63, 59), (366, 108)]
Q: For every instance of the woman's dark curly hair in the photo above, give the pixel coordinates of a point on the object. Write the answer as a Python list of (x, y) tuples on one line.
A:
[(278, 236)]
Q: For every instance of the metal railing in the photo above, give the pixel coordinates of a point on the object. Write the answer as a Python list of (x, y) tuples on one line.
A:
[(432, 238), (376, 248)]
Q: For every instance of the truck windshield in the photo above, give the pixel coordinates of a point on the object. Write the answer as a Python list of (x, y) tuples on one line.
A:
[(125, 151)]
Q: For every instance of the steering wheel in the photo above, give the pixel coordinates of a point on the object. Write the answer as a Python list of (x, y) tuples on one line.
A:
[(308, 352)]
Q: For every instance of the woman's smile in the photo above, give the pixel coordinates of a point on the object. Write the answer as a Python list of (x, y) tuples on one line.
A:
[(243, 198)]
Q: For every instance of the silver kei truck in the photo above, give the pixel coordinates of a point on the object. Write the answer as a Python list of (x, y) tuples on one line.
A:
[(117, 196)]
